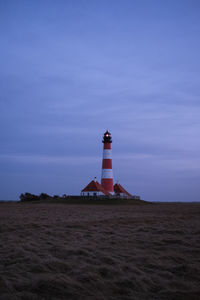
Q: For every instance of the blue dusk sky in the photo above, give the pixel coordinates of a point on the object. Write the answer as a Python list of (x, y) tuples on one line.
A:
[(69, 70)]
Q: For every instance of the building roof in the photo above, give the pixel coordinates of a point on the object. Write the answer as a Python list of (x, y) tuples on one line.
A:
[(118, 189), (94, 186)]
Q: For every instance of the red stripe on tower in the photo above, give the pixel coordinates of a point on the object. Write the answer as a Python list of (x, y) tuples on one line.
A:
[(107, 173)]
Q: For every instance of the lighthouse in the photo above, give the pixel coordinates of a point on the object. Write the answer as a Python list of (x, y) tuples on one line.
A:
[(107, 172), (106, 188)]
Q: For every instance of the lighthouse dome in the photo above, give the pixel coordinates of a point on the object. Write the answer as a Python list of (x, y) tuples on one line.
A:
[(107, 137)]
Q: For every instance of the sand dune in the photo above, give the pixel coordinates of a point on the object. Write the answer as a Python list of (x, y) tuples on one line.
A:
[(58, 251)]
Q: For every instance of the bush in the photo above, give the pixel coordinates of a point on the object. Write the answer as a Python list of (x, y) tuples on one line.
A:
[(44, 196), (28, 197)]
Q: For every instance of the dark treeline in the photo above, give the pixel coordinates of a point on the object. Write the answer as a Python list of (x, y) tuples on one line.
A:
[(70, 199), (43, 196)]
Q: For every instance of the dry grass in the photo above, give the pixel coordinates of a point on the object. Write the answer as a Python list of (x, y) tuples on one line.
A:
[(58, 251)]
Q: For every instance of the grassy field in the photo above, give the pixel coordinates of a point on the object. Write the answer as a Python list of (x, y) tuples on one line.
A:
[(58, 251)]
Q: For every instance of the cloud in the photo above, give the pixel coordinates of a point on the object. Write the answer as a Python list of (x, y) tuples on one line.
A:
[(48, 159)]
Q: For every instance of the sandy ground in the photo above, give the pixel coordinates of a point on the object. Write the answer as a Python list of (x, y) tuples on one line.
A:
[(58, 251)]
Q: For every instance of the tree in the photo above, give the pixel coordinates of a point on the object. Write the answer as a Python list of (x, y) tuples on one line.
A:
[(28, 197)]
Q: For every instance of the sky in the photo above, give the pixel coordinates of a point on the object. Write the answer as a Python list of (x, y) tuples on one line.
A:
[(70, 70)]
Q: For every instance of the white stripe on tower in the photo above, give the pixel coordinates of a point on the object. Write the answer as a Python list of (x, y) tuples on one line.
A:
[(107, 173), (107, 154)]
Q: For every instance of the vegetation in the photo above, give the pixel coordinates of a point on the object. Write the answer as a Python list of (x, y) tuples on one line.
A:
[(32, 197), (114, 252), (27, 197)]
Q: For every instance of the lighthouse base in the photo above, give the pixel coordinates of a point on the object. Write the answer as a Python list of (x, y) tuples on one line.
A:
[(107, 184)]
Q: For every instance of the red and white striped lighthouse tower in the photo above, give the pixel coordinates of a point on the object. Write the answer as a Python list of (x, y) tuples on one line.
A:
[(107, 173)]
